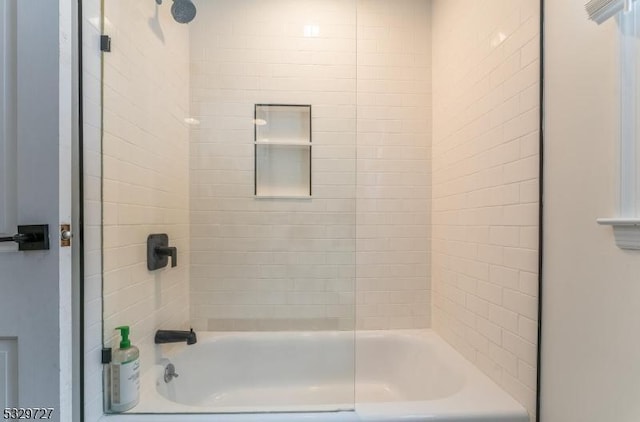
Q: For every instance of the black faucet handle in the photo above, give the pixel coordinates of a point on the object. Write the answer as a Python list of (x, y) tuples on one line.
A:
[(170, 251), (158, 252)]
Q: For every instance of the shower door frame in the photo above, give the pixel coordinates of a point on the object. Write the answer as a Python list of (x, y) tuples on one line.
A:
[(540, 216)]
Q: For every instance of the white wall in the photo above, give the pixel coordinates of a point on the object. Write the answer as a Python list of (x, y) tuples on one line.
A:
[(485, 186), (394, 164), (591, 296), (278, 264), (271, 264)]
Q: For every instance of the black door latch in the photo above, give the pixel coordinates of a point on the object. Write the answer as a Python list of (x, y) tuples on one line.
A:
[(30, 238)]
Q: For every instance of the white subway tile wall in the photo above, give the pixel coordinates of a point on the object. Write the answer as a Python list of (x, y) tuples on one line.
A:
[(270, 264), (485, 186), (394, 164), (286, 260), (145, 156)]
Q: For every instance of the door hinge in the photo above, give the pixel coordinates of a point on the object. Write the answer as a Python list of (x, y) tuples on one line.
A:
[(106, 355), (65, 235), (105, 43)]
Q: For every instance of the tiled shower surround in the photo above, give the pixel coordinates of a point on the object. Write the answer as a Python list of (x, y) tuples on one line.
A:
[(393, 166), (264, 264), (358, 253), (485, 186)]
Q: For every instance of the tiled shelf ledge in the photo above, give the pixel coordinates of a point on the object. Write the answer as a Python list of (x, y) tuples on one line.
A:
[(625, 230)]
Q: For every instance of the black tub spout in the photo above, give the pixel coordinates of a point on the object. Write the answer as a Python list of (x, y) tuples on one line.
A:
[(172, 336)]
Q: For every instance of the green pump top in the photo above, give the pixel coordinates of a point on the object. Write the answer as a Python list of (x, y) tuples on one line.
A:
[(125, 343)]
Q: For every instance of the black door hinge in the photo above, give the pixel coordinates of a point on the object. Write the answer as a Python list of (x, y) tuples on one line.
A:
[(105, 43), (106, 355)]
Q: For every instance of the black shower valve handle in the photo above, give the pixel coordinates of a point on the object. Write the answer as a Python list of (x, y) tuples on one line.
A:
[(159, 252), (170, 251)]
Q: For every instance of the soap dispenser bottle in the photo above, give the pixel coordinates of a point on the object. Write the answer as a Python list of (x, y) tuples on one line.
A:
[(125, 374)]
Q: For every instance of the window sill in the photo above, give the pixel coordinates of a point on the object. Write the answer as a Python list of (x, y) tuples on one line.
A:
[(625, 230)]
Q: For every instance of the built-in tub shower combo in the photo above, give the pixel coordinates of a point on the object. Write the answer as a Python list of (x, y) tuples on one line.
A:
[(321, 209)]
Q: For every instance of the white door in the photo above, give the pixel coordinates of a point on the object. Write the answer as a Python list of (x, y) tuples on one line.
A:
[(35, 188)]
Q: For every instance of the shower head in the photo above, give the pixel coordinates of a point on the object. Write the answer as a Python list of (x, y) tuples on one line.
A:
[(183, 11)]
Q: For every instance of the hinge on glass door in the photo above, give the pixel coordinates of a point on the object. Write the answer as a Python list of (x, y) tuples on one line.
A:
[(106, 355), (105, 43)]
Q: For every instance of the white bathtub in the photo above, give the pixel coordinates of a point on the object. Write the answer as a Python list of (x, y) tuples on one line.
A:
[(406, 375)]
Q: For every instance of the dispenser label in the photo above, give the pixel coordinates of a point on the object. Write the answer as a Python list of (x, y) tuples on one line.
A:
[(125, 382)]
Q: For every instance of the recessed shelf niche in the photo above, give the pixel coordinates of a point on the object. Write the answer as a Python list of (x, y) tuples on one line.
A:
[(282, 151)]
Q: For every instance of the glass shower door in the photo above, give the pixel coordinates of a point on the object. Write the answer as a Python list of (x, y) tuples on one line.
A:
[(233, 133)]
